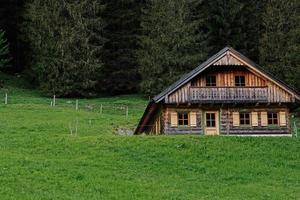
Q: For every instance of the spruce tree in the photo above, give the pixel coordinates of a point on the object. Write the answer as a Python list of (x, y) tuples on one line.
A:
[(233, 23), (4, 51), (279, 42), (171, 44), (120, 72), (66, 41), (10, 20)]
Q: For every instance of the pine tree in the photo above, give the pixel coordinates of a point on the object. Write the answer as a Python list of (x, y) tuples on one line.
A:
[(171, 44), (279, 42), (4, 51), (66, 42), (120, 73)]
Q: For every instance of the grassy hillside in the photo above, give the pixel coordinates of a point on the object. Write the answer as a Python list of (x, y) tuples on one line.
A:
[(41, 159)]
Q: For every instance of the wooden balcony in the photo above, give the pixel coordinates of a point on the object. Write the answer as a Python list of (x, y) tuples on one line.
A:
[(228, 94)]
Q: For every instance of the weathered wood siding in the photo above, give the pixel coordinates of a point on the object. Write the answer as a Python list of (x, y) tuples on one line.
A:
[(226, 78), (275, 94), (182, 95), (228, 59)]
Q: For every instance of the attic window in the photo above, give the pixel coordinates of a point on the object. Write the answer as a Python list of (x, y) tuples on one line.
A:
[(240, 81), (211, 81)]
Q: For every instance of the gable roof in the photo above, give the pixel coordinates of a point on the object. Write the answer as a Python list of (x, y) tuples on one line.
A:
[(189, 76)]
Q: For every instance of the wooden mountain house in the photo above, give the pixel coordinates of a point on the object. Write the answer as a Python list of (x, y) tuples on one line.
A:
[(226, 95)]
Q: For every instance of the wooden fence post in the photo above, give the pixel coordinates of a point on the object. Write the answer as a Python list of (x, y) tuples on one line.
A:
[(6, 97), (76, 105), (71, 129), (127, 112), (296, 129), (76, 129), (54, 99), (101, 109)]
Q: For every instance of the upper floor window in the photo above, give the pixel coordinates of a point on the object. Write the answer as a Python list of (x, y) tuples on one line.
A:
[(244, 118), (183, 119), (272, 118), (240, 81), (211, 81)]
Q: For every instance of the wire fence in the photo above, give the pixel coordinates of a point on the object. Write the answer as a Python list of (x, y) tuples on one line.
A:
[(76, 104), (92, 113)]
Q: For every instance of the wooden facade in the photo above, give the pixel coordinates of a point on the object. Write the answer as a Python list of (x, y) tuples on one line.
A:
[(256, 89), (226, 95)]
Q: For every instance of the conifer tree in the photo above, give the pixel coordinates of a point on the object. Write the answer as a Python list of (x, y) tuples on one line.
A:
[(10, 20), (66, 39), (233, 23), (120, 72), (170, 44), (4, 51), (279, 42)]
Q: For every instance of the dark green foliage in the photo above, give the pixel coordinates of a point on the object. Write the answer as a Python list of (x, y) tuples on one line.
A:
[(10, 19), (170, 44), (120, 74), (4, 51), (66, 41), (280, 40), (233, 23), (147, 41)]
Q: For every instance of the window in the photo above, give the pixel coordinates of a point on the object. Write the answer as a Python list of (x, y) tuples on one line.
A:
[(244, 118), (183, 119), (211, 81), (272, 118), (210, 120), (240, 81)]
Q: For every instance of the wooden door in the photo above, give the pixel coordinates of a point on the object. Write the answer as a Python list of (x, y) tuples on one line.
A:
[(211, 123)]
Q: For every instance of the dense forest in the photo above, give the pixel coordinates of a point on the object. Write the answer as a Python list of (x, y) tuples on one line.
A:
[(107, 47)]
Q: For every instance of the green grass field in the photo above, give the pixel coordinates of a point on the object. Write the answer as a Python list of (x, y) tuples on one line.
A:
[(41, 159)]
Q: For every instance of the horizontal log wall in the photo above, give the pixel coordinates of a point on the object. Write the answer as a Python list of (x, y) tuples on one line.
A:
[(226, 116), (226, 121), (168, 130)]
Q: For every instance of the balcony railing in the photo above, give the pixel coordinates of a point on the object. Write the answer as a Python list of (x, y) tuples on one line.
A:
[(229, 94)]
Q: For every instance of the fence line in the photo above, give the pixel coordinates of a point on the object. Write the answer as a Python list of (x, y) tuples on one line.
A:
[(84, 105)]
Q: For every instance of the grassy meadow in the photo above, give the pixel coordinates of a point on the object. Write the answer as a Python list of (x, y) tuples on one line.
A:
[(41, 159)]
